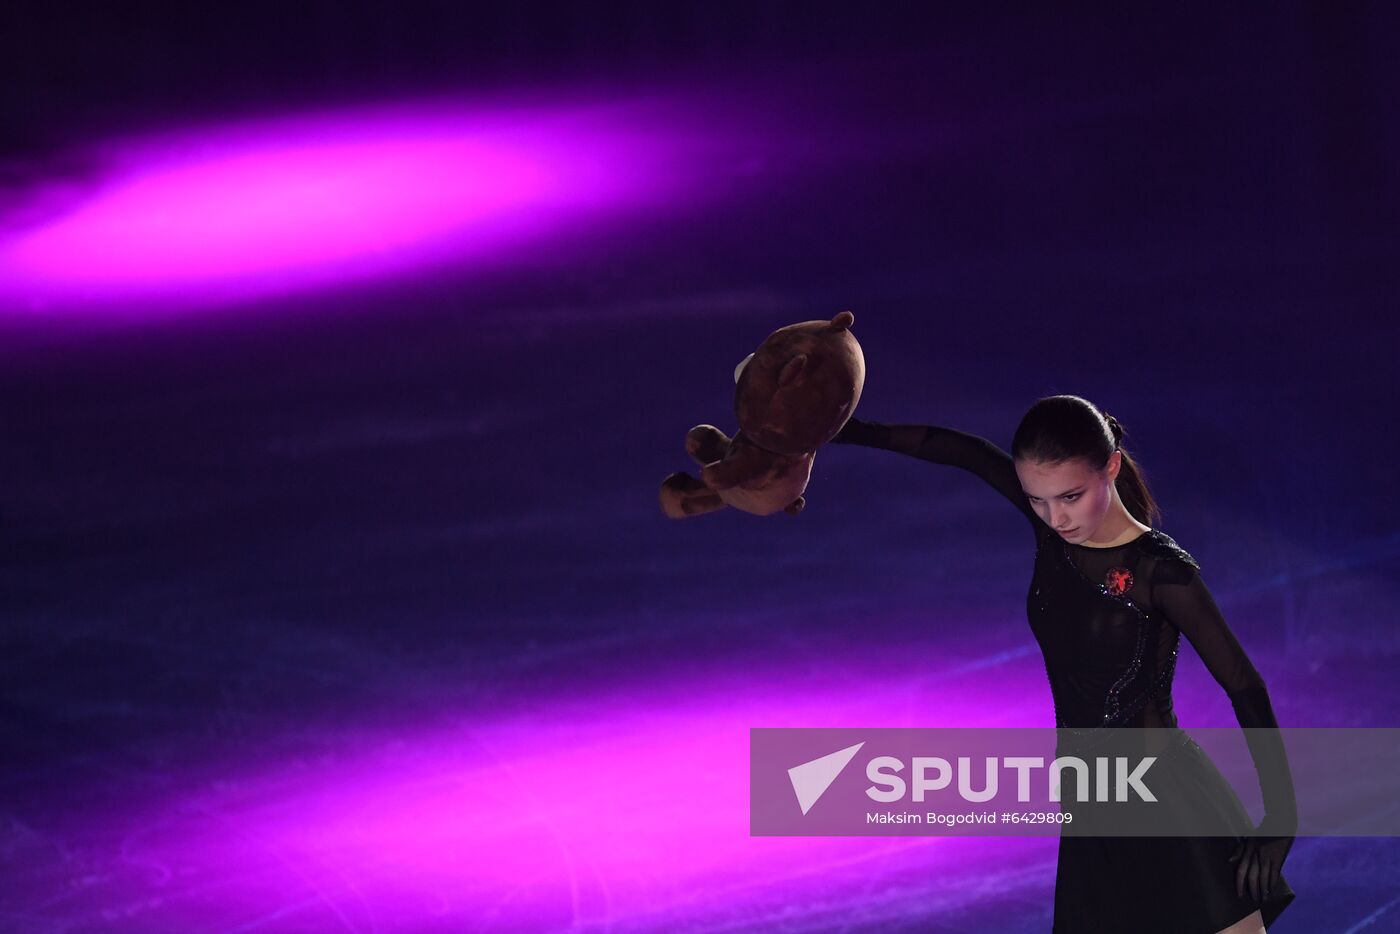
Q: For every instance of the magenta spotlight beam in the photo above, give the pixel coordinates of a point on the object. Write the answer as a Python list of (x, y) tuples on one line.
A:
[(263, 208), (624, 811)]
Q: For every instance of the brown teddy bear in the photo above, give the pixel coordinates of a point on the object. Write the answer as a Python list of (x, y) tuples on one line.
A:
[(791, 396)]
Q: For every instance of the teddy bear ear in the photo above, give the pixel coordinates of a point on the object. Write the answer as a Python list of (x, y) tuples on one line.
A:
[(843, 321), (738, 370), (792, 371)]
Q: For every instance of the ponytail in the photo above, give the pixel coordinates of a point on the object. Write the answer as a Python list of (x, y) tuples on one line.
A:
[(1133, 491)]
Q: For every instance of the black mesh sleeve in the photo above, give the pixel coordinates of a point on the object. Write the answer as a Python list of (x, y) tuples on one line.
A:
[(1188, 605), (944, 446)]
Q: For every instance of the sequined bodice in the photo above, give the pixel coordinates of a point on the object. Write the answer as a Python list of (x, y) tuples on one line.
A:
[(1109, 653)]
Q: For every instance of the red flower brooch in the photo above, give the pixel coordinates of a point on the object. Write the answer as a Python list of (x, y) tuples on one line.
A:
[(1118, 581)]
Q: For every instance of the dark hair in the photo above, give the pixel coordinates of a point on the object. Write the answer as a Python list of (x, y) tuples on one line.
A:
[(1059, 428)]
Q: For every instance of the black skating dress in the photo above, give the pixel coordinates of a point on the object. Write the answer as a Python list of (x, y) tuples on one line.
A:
[(1108, 621)]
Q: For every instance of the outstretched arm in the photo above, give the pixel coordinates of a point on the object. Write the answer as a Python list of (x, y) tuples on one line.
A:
[(1188, 605), (944, 446)]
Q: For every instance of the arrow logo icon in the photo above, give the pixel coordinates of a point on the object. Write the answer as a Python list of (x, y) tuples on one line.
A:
[(810, 780)]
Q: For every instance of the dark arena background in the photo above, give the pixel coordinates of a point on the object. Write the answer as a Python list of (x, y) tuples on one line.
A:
[(344, 347)]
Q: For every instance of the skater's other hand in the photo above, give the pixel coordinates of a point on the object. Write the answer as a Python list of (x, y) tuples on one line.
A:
[(1259, 864)]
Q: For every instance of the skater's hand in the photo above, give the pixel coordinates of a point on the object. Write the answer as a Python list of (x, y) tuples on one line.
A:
[(1258, 864), (853, 429)]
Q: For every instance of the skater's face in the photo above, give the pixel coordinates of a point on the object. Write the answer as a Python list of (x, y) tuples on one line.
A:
[(1070, 496)]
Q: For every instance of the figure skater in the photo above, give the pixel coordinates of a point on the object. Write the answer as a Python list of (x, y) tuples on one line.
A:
[(1109, 597)]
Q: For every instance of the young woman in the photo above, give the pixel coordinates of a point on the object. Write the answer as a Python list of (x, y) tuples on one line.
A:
[(1109, 597)]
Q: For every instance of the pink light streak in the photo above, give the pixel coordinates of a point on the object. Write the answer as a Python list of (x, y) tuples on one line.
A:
[(206, 215), (626, 812)]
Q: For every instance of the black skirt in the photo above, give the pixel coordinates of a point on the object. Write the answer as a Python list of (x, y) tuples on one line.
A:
[(1180, 885)]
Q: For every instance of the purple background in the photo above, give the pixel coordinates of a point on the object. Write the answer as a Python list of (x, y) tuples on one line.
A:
[(342, 601)]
